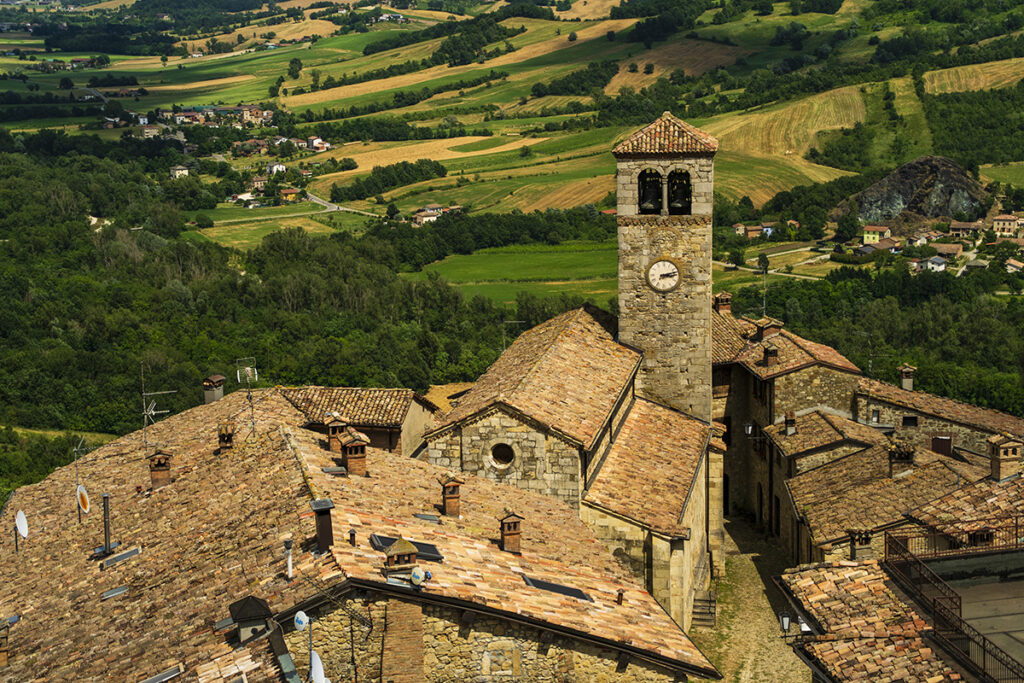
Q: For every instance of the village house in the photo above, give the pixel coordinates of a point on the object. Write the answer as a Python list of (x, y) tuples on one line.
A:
[(258, 182), (149, 132), (889, 244), (936, 264), (290, 194), (1005, 225), (1013, 265), (276, 167), (965, 230), (299, 143), (179, 171), (874, 233), (949, 251)]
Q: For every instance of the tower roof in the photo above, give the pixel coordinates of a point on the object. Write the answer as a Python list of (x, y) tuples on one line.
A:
[(667, 135)]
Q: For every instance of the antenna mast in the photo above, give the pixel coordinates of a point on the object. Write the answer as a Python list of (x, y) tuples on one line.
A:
[(78, 449), (149, 412), (246, 367)]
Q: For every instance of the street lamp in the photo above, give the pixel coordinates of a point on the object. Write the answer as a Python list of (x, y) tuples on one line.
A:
[(784, 622)]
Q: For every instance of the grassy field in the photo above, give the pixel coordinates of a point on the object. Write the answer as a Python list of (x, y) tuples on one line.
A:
[(233, 212), (1001, 74), (1012, 173), (249, 235)]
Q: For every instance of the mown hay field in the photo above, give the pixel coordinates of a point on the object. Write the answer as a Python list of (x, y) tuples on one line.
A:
[(693, 56), (249, 235), (1001, 74)]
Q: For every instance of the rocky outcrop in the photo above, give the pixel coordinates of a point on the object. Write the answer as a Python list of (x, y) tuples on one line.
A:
[(928, 187)]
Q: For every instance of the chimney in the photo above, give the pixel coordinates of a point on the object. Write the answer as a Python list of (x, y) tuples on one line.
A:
[(335, 428), (324, 528), (159, 470), (252, 615), (225, 435), (901, 456), (771, 354), (907, 376), (510, 532), (767, 328), (213, 388), (1004, 453), (723, 302), (618, 596), (790, 423), (106, 525), (400, 556), (354, 445), (860, 543), (450, 495)]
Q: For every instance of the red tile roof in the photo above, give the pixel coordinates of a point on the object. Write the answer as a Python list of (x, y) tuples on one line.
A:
[(728, 336), (856, 491), (566, 373), (865, 631), (364, 407), (985, 419), (819, 429), (667, 135), (651, 489), (794, 352), (984, 499)]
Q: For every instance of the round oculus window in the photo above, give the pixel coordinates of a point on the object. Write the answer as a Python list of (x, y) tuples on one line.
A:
[(502, 454)]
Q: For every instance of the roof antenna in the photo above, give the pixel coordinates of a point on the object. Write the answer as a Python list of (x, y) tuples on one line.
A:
[(20, 528), (246, 367), (149, 412)]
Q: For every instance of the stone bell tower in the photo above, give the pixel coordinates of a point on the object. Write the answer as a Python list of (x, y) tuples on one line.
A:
[(664, 182)]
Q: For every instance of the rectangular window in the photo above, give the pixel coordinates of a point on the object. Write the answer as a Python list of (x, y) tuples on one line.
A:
[(910, 420), (874, 416)]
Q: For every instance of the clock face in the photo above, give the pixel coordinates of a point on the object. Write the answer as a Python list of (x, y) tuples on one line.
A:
[(663, 276)]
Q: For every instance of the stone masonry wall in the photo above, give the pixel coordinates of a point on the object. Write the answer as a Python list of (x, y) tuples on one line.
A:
[(817, 385), (542, 463), (402, 654), (672, 328), (973, 439), (416, 422), (339, 640), (493, 650)]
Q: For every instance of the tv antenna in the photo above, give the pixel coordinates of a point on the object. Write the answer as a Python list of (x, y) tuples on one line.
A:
[(149, 411), (245, 368), (20, 528)]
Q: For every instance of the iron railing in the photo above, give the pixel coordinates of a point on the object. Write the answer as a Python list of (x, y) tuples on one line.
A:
[(972, 649), (969, 537)]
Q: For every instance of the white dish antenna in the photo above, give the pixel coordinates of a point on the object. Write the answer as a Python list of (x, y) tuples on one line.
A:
[(417, 576), (316, 668), (301, 621), (21, 524), (83, 499)]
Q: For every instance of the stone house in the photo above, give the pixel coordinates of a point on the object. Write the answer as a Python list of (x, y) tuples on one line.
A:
[(469, 597), (393, 419), (1005, 225), (965, 230), (179, 171), (936, 264), (949, 250), (1013, 265)]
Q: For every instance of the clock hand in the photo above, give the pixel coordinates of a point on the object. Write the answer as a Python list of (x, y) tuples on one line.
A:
[(665, 275)]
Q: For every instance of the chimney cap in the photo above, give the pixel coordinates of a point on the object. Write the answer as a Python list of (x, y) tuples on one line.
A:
[(509, 516), (401, 547), (352, 437), (250, 608), (449, 480), (906, 367), (321, 505), (790, 416), (159, 454), (335, 418), (1003, 439), (214, 381)]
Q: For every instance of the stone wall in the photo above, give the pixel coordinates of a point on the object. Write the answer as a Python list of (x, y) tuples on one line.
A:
[(416, 422), (817, 385), (733, 410), (702, 180), (402, 653), (349, 650), (542, 463), (672, 328), (928, 426), (382, 438), (491, 649)]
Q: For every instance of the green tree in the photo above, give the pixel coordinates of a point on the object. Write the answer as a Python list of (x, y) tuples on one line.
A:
[(66, 84), (203, 221), (392, 210), (763, 264), (294, 68), (737, 257), (572, 37)]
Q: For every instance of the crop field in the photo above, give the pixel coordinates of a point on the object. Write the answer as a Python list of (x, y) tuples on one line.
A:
[(692, 56), (249, 235), (1012, 173), (1001, 74), (234, 212)]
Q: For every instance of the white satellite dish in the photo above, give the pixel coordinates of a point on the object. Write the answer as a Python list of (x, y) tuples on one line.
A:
[(417, 576), (301, 621), (316, 668), (21, 524), (83, 499)]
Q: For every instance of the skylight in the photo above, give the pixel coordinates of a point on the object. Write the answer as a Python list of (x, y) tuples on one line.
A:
[(556, 588)]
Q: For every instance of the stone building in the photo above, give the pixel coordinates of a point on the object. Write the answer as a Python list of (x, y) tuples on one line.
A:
[(270, 526), (394, 419)]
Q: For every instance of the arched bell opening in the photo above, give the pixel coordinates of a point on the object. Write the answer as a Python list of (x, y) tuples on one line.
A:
[(680, 194), (650, 192)]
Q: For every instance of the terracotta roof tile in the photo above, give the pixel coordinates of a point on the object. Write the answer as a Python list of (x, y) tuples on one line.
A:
[(819, 429), (984, 499), (366, 407), (794, 353), (944, 408), (650, 467), (567, 373), (856, 491), (869, 632), (667, 135), (728, 336)]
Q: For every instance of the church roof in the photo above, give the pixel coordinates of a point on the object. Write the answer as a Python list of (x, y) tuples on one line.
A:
[(651, 489), (566, 373), (667, 135), (366, 407)]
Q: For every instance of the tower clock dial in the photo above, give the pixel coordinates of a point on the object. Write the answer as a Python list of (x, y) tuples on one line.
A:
[(663, 275)]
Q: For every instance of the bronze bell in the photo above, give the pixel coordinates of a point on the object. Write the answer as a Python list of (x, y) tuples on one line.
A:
[(650, 190), (680, 197)]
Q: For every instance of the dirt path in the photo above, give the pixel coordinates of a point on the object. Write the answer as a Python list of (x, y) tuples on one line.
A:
[(746, 645)]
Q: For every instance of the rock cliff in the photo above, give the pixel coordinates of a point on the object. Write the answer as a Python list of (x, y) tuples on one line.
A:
[(928, 187)]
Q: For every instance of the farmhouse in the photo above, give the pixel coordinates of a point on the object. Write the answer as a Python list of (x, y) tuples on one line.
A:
[(1005, 225), (874, 233), (965, 230), (179, 171)]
